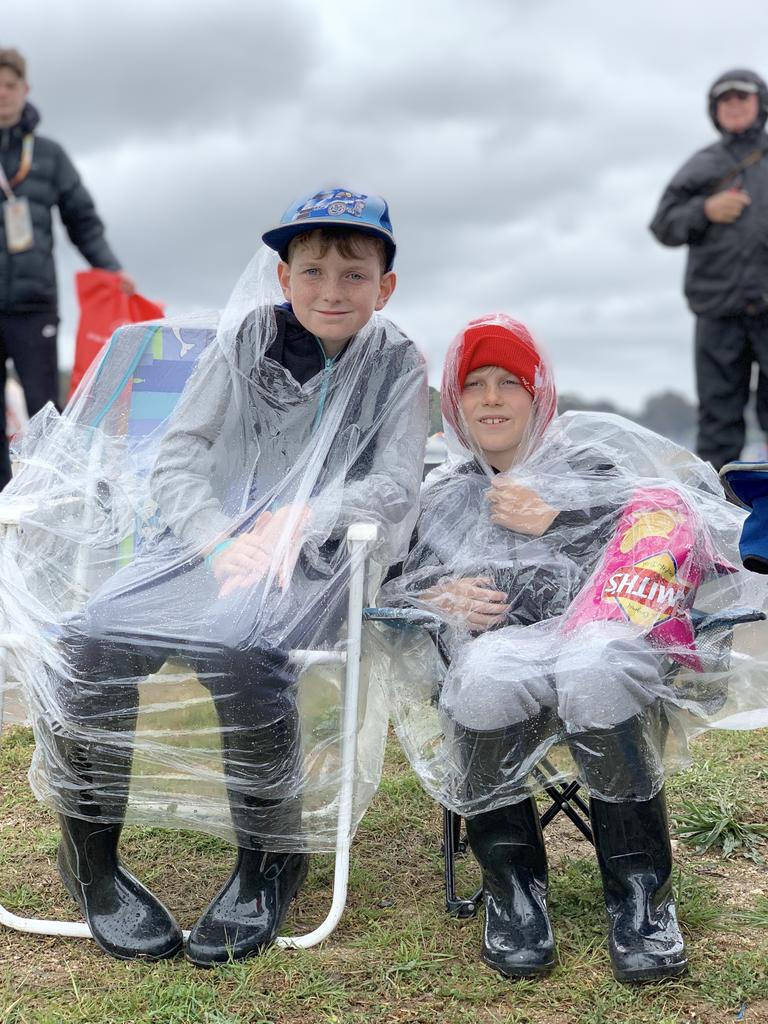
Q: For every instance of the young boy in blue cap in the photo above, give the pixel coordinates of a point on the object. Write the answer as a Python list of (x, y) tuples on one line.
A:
[(313, 415)]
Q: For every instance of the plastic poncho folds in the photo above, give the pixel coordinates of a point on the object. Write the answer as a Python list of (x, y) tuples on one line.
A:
[(608, 655), (155, 651)]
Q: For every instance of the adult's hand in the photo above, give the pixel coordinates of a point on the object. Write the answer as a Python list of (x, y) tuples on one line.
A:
[(471, 599), (519, 508), (127, 284), (726, 207)]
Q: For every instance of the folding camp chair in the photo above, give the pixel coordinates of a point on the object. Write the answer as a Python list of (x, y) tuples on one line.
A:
[(150, 385), (714, 635)]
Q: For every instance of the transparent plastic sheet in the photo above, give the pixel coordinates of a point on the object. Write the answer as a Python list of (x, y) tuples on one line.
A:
[(145, 665), (610, 653)]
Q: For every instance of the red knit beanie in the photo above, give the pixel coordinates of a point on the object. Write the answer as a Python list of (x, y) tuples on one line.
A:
[(496, 344)]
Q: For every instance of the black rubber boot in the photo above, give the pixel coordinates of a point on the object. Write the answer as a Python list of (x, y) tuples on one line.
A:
[(126, 919), (494, 764), (246, 914), (88, 758), (623, 762), (633, 846), (635, 858), (509, 846)]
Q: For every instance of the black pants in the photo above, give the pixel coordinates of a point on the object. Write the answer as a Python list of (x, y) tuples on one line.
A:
[(29, 339), (109, 649), (726, 348), (89, 749)]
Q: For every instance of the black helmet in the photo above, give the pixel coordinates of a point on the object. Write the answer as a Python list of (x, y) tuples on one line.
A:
[(747, 81)]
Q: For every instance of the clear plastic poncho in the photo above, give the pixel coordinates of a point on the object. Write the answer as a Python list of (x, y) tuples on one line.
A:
[(182, 532), (626, 625)]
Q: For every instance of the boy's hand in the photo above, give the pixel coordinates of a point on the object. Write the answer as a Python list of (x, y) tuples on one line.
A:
[(518, 508), (472, 599), (251, 555)]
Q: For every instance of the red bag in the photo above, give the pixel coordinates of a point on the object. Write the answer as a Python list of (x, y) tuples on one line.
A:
[(104, 307)]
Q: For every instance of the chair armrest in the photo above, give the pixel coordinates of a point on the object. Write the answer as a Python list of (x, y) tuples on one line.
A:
[(401, 618), (362, 533), (714, 634), (14, 509), (704, 622)]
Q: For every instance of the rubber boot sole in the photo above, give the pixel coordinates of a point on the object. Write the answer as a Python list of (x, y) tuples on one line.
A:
[(648, 974), (521, 971)]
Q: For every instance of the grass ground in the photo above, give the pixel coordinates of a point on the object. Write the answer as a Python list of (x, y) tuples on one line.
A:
[(396, 956)]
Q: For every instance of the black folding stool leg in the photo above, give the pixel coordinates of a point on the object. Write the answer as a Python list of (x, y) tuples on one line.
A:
[(563, 800), (453, 844), (565, 797)]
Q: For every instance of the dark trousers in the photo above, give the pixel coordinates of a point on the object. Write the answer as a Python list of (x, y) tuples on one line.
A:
[(29, 339), (92, 740), (726, 348), (86, 738)]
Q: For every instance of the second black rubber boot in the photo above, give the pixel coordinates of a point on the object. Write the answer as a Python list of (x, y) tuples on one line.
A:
[(126, 919), (509, 846), (246, 914), (635, 858), (633, 846)]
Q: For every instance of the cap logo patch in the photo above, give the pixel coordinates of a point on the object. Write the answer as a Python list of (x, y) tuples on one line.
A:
[(333, 203)]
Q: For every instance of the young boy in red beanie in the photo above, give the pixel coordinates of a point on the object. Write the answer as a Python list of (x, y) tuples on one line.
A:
[(511, 528)]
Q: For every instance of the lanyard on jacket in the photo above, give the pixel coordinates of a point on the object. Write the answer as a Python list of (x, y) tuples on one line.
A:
[(27, 149), (749, 161)]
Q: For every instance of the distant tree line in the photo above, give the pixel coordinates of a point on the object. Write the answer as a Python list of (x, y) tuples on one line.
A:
[(668, 413)]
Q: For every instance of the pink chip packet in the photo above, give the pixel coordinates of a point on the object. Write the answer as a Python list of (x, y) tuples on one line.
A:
[(650, 572)]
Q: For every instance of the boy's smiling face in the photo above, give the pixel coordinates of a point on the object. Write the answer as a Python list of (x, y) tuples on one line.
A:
[(333, 296), (496, 408)]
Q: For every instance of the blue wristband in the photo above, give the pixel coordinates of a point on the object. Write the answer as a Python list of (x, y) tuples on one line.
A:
[(221, 546)]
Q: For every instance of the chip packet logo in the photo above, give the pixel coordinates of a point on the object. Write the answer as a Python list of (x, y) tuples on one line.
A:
[(648, 591)]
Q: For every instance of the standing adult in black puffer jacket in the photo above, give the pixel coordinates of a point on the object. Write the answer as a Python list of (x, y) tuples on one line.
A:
[(36, 176), (717, 205)]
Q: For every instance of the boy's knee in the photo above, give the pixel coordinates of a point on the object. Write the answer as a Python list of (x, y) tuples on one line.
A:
[(251, 687), (605, 675)]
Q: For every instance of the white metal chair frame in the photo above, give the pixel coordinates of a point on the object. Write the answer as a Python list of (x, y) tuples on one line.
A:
[(360, 538)]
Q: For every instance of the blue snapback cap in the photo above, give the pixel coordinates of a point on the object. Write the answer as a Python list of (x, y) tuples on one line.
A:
[(334, 206)]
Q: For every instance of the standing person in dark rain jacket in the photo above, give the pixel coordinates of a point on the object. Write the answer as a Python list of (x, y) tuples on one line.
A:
[(717, 205), (36, 175)]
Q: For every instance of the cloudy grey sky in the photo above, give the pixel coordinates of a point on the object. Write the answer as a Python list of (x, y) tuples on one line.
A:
[(522, 145)]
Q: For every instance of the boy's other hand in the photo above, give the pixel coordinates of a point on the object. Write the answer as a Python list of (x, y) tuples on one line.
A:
[(472, 599), (274, 539), (518, 508)]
